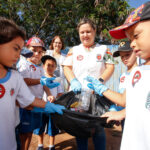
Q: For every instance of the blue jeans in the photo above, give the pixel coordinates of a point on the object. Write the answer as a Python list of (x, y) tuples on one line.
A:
[(99, 140)]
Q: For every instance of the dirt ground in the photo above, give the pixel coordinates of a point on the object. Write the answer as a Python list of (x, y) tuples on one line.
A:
[(64, 141)]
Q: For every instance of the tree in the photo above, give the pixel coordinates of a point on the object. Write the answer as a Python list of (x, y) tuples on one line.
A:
[(47, 18)]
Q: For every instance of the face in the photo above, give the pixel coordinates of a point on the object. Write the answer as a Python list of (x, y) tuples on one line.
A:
[(139, 35), (57, 45), (10, 52), (49, 67), (37, 54), (87, 35), (128, 58)]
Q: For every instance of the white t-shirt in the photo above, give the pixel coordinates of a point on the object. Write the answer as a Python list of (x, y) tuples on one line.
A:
[(29, 70), (123, 82), (54, 92), (136, 133), (12, 88), (87, 63), (59, 70)]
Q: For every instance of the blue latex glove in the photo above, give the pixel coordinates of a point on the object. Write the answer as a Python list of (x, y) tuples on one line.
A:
[(49, 108), (96, 85), (113, 108), (49, 82), (76, 86)]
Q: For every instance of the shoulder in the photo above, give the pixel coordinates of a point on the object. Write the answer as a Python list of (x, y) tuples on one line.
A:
[(16, 75), (101, 46), (49, 52)]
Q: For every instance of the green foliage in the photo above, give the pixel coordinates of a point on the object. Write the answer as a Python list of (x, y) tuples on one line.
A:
[(47, 18)]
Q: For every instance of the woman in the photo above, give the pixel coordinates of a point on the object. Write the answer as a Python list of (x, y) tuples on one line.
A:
[(56, 46), (85, 59)]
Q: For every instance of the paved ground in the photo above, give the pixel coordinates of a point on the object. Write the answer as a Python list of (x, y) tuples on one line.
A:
[(65, 141)]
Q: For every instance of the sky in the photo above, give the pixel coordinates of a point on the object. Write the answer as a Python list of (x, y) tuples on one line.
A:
[(136, 3)]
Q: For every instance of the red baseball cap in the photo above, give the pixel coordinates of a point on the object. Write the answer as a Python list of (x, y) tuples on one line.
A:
[(139, 14), (35, 41)]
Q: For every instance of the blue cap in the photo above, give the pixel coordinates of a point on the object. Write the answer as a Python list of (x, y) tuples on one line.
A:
[(26, 52)]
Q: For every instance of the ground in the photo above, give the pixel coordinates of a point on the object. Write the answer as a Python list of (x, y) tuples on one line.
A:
[(65, 141)]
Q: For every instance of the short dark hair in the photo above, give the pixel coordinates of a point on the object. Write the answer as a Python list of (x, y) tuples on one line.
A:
[(48, 57), (86, 21), (9, 30), (51, 45)]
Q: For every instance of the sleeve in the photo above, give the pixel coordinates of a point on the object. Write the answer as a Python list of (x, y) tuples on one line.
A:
[(60, 89), (108, 58), (24, 96), (69, 59), (24, 70)]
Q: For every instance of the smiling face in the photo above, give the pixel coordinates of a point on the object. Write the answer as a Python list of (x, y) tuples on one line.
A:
[(10, 52), (139, 35), (87, 35), (49, 67), (57, 44), (128, 58)]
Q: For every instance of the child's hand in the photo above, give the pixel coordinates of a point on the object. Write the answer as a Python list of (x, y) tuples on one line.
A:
[(114, 116), (51, 98)]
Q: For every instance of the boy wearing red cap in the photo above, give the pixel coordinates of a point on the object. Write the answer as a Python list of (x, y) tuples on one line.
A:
[(136, 98), (33, 75)]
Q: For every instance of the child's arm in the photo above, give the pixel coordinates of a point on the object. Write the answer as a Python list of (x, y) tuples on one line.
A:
[(46, 107), (49, 95), (31, 82), (117, 98), (115, 115), (101, 89)]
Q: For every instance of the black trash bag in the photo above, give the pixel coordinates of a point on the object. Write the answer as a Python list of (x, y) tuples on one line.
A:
[(82, 124)]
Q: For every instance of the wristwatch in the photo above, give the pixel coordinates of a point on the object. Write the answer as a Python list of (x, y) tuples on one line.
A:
[(101, 80)]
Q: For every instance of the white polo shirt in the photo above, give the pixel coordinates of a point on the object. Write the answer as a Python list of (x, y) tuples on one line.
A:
[(136, 133), (12, 88), (29, 70), (87, 63)]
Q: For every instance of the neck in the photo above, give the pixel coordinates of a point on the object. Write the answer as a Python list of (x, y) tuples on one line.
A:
[(147, 62), (131, 67), (57, 51), (89, 46), (3, 71), (31, 61), (49, 75)]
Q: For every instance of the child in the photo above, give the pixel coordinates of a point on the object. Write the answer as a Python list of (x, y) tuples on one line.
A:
[(136, 98), (32, 73), (49, 65), (12, 86), (128, 58)]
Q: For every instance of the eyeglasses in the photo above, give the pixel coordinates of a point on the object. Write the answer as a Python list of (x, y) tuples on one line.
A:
[(58, 43)]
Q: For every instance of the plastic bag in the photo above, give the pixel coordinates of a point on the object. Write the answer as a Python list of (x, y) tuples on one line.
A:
[(86, 123)]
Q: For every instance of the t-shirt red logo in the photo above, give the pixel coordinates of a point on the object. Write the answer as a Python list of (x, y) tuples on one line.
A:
[(136, 77), (33, 67), (79, 57), (98, 57), (2, 90), (12, 91), (122, 79)]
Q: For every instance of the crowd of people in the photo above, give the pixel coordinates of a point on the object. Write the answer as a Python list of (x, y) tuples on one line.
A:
[(30, 83)]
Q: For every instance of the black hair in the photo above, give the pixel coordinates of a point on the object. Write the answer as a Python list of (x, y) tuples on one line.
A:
[(9, 31), (48, 57)]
